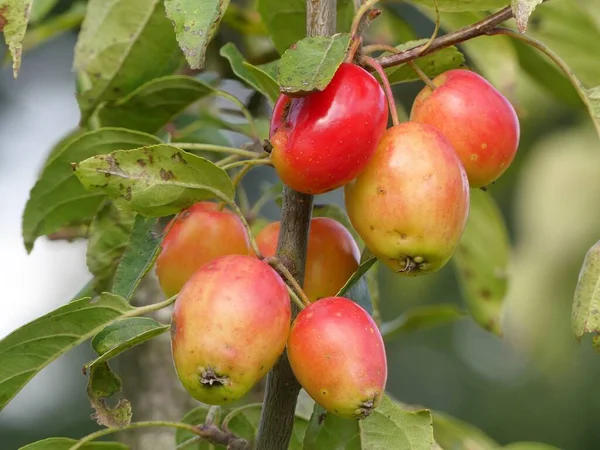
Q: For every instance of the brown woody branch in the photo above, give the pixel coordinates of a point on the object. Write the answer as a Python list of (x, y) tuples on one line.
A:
[(282, 389), (464, 34)]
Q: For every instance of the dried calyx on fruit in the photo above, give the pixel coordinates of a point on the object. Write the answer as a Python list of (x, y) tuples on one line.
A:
[(410, 204), (337, 354)]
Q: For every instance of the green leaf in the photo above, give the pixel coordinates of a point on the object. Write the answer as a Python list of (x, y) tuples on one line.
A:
[(545, 73), (29, 349), (122, 335), (593, 104), (481, 261), (14, 15), (40, 9), (388, 427), (152, 105), (108, 238), (585, 317), (433, 65), (451, 433), (362, 269), (421, 318), (102, 384), (139, 257), (256, 77), (464, 5), (311, 63), (155, 181), (54, 26), (522, 10), (195, 21), (569, 30), (113, 47), (58, 443), (58, 199), (360, 293), (286, 20)]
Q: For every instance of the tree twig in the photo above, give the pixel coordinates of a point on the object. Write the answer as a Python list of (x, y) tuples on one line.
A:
[(282, 388), (477, 29)]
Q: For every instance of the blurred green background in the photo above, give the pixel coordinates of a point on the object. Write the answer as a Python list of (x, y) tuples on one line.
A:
[(537, 384)]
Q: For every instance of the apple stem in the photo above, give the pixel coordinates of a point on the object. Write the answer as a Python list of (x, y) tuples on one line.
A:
[(422, 75), (386, 86), (288, 277), (353, 49), (295, 298), (436, 30), (236, 209)]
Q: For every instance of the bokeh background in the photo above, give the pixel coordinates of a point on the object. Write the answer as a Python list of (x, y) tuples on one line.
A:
[(537, 384)]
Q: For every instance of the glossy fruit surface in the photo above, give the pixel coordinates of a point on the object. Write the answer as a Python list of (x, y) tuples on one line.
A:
[(410, 205), (337, 354), (230, 324), (324, 140), (332, 256), (478, 121), (199, 234)]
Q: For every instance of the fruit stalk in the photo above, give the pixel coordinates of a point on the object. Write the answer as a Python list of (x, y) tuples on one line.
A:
[(282, 388)]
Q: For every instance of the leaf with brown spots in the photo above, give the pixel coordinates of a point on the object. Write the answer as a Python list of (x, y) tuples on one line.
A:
[(168, 181), (195, 22), (585, 318), (114, 46), (14, 16), (481, 261), (58, 199)]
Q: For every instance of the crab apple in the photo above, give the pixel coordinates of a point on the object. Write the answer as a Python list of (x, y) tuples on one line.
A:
[(325, 139), (230, 324), (199, 234), (410, 204), (478, 121), (332, 256), (337, 354)]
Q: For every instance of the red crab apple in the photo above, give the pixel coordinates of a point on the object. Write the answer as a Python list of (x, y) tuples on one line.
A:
[(337, 354), (410, 204), (199, 234), (325, 139), (230, 324), (478, 121), (332, 256)]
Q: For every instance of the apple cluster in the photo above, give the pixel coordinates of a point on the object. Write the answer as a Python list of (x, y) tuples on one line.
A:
[(232, 317), (407, 195), (406, 188)]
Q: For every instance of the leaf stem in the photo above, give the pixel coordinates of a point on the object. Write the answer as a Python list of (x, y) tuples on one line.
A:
[(249, 118), (150, 308), (216, 149), (133, 426), (386, 86), (248, 162), (577, 84), (368, 49)]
